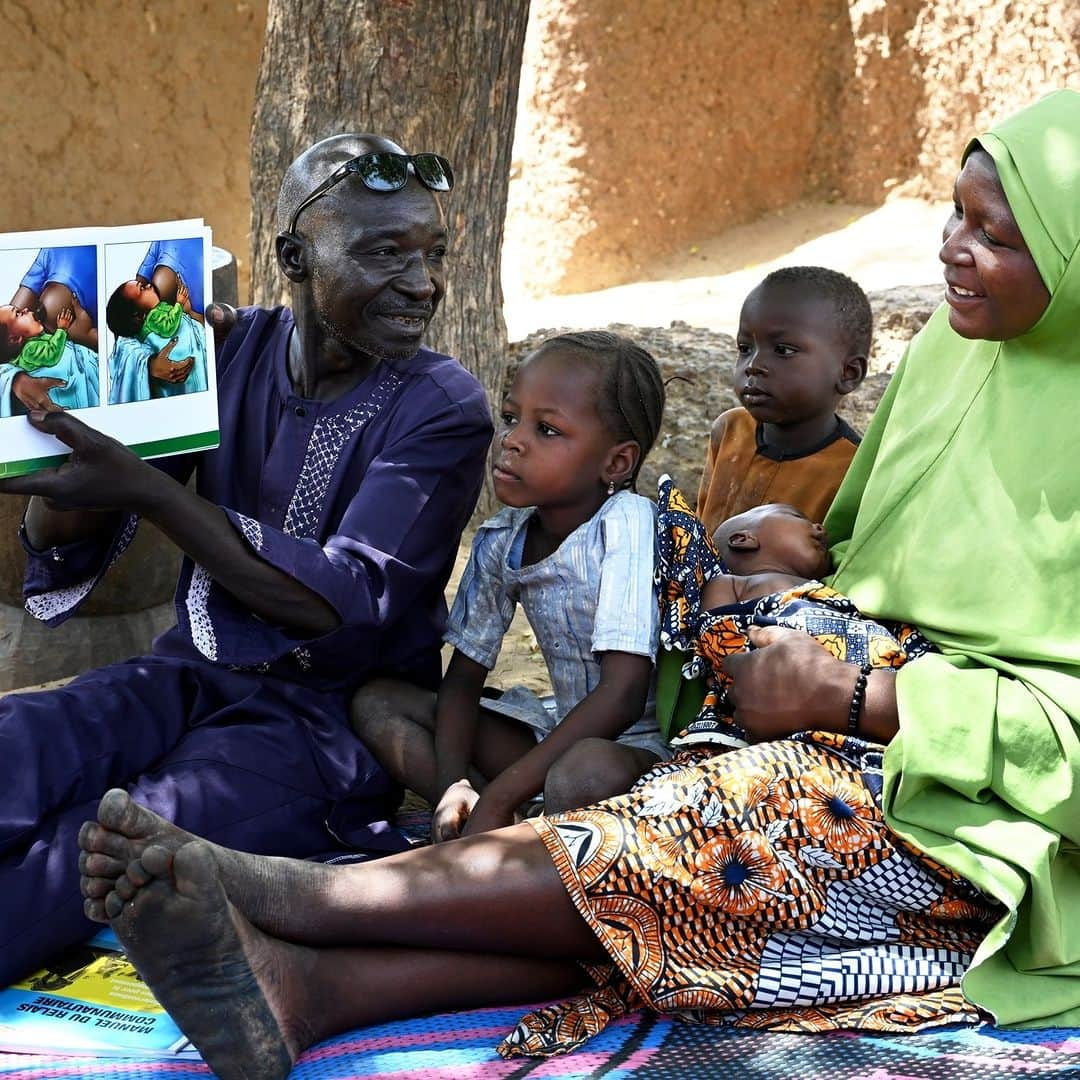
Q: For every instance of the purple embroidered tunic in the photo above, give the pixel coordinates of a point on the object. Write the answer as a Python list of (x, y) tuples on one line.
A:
[(233, 728), (362, 499)]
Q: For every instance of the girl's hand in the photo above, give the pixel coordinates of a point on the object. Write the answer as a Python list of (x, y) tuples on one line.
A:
[(488, 814), (65, 318), (788, 683), (452, 813), (34, 393), (183, 297)]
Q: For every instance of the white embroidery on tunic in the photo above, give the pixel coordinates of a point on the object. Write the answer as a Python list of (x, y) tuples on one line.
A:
[(252, 531), (328, 439), (51, 604), (202, 627), (56, 602)]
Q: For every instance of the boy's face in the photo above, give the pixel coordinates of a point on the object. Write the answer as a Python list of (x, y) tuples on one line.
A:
[(785, 540), (142, 294), (20, 323), (791, 356)]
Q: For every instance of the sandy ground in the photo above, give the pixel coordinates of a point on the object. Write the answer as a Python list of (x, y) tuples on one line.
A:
[(880, 247), (893, 244)]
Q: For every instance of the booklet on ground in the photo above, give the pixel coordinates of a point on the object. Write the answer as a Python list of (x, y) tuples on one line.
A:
[(107, 323), (89, 1001)]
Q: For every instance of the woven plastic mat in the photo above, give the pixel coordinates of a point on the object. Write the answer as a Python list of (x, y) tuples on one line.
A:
[(460, 1046)]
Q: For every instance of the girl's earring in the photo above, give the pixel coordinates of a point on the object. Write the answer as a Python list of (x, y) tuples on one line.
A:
[(611, 487)]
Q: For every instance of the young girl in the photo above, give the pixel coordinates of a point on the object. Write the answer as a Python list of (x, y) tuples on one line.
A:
[(574, 546)]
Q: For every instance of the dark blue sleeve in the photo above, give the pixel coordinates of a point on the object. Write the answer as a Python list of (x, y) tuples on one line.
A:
[(58, 579), (38, 274), (146, 267)]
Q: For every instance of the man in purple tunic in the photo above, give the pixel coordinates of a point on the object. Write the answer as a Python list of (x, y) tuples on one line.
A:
[(317, 547)]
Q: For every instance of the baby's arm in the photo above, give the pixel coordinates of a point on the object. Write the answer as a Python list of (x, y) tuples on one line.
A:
[(456, 715), (616, 703), (718, 592)]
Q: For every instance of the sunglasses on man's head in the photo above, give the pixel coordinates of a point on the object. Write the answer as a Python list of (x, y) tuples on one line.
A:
[(385, 171)]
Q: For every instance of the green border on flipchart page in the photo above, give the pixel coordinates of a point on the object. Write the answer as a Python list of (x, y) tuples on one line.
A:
[(204, 440)]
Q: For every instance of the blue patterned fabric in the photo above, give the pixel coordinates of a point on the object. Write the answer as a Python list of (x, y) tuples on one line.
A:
[(643, 1046)]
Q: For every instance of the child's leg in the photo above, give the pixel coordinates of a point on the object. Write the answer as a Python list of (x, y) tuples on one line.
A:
[(593, 770), (203, 960), (396, 721)]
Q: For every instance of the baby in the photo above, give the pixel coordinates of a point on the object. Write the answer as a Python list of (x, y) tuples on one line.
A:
[(763, 567), (43, 369), (160, 348)]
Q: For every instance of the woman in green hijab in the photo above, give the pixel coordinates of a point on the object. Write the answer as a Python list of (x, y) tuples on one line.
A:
[(897, 850)]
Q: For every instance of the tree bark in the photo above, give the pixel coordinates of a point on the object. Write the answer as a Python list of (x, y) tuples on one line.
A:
[(437, 75)]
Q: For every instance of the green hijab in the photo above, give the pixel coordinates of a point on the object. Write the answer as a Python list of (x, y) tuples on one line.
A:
[(961, 514)]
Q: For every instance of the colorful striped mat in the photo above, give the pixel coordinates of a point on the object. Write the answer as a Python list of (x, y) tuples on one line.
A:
[(459, 1046)]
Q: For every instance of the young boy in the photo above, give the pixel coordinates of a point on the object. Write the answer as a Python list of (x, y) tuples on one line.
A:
[(804, 336), (763, 567)]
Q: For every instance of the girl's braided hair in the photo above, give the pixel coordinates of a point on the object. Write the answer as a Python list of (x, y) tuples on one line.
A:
[(630, 398)]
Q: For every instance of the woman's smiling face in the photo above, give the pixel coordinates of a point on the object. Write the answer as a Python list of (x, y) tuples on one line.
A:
[(993, 288)]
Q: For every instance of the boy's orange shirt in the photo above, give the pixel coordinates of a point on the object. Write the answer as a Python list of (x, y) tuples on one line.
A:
[(741, 473)]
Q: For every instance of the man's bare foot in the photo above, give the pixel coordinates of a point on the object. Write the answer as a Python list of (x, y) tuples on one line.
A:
[(230, 988), (270, 892), (122, 832)]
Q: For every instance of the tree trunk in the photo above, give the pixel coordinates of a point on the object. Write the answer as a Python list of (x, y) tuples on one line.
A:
[(438, 75)]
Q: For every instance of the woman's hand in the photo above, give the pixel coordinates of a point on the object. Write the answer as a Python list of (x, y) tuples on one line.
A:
[(453, 811), (34, 393), (788, 683), (161, 367)]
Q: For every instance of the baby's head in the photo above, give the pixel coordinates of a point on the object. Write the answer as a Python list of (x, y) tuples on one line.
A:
[(583, 411), (804, 336), (128, 307), (773, 537), (17, 326)]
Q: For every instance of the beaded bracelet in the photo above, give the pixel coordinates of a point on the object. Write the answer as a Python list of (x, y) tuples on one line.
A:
[(858, 696)]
